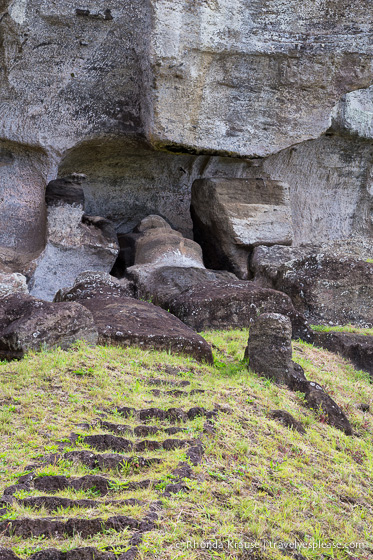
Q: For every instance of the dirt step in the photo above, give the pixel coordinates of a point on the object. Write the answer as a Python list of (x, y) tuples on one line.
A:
[(52, 527), (176, 392), (87, 553), (56, 483), (138, 431), (52, 503), (158, 382), (105, 442), (171, 414), (92, 460)]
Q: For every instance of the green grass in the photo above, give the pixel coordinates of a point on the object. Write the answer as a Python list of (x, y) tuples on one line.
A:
[(258, 479), (344, 328)]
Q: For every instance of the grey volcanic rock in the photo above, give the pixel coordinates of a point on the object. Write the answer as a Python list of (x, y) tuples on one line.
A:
[(269, 351), (94, 89), (354, 113), (54, 96), (127, 182), (75, 242), (23, 177), (208, 76), (231, 216), (125, 321), (226, 73), (330, 182), (30, 324), (323, 286)]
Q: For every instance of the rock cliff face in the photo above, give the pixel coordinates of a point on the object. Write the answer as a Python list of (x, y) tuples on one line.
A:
[(254, 77), (146, 96)]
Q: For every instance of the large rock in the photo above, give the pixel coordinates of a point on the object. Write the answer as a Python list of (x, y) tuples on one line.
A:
[(226, 72), (207, 299), (125, 321), (330, 182), (163, 284), (209, 76), (93, 86), (75, 242), (357, 348), (231, 216), (269, 351), (325, 287), (27, 323), (153, 244)]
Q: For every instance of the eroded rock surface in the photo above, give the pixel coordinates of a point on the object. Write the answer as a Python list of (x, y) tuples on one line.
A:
[(230, 70), (269, 351), (11, 283), (157, 245), (231, 216), (207, 299), (325, 287), (75, 242), (31, 324), (23, 177), (124, 321)]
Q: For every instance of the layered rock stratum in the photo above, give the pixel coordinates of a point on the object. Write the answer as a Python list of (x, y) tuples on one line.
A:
[(147, 96)]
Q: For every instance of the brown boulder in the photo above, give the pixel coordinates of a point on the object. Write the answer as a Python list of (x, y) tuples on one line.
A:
[(30, 324), (124, 321), (221, 304), (269, 350)]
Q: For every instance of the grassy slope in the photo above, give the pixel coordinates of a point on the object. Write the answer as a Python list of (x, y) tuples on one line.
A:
[(258, 479), (345, 328)]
